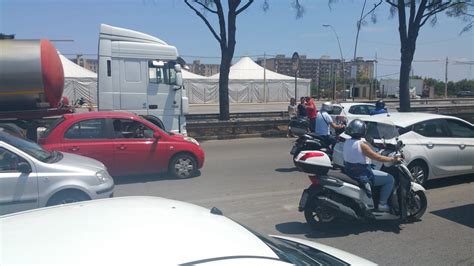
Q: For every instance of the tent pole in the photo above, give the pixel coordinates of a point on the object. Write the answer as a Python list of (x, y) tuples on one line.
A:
[(264, 78)]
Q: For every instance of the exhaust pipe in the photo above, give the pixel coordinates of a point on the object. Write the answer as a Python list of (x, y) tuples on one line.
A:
[(339, 207)]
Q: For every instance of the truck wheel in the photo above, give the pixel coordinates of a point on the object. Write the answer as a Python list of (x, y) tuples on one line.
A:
[(67, 196), (183, 166)]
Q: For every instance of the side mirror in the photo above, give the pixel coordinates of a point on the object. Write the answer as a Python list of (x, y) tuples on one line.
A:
[(156, 135), (179, 78), (24, 167)]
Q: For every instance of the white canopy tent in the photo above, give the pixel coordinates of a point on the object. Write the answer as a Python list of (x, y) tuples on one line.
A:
[(78, 82), (248, 83)]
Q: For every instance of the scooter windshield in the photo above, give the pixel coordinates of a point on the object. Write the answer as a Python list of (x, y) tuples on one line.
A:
[(381, 130)]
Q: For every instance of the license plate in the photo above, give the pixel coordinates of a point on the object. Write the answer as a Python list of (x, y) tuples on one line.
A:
[(293, 150), (303, 200)]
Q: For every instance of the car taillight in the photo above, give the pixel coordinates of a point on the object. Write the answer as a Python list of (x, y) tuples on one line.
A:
[(314, 180)]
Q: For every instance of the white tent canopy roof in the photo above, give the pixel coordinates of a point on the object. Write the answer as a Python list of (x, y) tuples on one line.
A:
[(72, 70), (246, 68), (191, 75)]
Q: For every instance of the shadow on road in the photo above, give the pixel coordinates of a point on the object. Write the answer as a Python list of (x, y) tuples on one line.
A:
[(338, 229), (461, 214), (287, 170), (130, 179), (449, 181)]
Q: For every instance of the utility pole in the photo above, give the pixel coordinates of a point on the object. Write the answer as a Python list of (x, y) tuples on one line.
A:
[(264, 77), (446, 80), (376, 80)]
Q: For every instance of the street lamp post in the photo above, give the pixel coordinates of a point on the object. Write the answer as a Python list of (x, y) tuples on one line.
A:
[(342, 62)]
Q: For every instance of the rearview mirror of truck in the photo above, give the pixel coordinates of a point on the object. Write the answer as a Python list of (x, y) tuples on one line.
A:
[(179, 80)]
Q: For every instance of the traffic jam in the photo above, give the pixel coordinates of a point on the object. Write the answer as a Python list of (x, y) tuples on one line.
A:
[(57, 154)]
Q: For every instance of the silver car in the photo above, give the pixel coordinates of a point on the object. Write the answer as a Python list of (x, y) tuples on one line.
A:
[(31, 177)]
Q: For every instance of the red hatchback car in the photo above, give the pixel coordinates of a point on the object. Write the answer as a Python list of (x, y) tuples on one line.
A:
[(126, 143)]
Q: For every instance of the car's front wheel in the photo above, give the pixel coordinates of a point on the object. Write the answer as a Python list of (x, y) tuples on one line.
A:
[(419, 172), (67, 196), (183, 166)]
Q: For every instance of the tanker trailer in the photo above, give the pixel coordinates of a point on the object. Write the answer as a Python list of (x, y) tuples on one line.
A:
[(31, 83)]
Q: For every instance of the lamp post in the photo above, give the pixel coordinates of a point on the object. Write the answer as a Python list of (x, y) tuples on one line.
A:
[(342, 61)]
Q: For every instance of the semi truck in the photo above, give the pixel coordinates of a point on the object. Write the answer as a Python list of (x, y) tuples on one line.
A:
[(137, 72), (141, 74)]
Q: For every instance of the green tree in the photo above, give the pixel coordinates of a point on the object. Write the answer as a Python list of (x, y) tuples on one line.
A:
[(412, 16), (226, 36)]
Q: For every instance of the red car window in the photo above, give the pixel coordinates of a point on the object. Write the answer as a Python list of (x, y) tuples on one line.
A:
[(87, 129)]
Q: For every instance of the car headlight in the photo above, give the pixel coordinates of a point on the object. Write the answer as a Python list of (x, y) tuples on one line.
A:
[(103, 176), (189, 139)]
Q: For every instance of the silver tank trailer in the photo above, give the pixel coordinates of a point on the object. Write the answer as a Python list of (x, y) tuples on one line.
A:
[(31, 75)]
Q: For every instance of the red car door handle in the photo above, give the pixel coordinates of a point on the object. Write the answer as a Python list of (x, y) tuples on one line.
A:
[(122, 147), (74, 148)]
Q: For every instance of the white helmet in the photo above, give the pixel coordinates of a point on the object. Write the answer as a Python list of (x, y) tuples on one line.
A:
[(327, 106)]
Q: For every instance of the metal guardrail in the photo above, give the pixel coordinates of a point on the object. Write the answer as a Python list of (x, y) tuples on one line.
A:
[(247, 115)]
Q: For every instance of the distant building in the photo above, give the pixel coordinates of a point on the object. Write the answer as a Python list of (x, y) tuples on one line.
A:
[(87, 63), (323, 70), (204, 69)]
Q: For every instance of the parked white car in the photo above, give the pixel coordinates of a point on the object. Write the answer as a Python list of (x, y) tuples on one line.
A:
[(31, 177), (435, 145), (350, 111), (149, 231)]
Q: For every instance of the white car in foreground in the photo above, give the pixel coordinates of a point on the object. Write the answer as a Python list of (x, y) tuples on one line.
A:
[(149, 231), (435, 145)]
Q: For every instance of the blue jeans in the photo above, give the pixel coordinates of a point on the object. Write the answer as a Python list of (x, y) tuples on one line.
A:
[(386, 182)]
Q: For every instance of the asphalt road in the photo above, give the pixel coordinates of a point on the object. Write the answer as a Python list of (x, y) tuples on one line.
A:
[(253, 181)]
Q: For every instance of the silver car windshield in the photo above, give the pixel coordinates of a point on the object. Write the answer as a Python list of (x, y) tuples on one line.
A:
[(29, 147)]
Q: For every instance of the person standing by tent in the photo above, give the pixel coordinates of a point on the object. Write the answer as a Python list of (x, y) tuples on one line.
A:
[(292, 113), (311, 111), (302, 108)]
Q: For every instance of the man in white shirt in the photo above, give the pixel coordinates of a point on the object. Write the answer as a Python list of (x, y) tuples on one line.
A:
[(324, 123)]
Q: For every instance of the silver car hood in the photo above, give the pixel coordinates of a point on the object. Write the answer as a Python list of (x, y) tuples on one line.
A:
[(78, 163)]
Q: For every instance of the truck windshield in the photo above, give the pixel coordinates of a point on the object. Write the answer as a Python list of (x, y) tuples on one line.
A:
[(164, 73)]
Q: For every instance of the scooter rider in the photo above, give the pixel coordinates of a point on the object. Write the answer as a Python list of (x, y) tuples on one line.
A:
[(357, 155), (324, 123), (379, 108)]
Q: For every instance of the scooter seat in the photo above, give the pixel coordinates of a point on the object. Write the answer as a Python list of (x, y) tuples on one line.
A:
[(345, 178)]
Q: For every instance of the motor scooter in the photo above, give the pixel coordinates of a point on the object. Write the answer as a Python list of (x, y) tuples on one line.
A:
[(329, 198)]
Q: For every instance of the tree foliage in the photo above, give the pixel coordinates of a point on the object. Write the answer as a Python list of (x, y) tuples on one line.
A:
[(225, 35)]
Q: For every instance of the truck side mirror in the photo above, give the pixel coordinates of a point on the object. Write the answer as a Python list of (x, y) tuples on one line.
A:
[(179, 79), (156, 135), (24, 167)]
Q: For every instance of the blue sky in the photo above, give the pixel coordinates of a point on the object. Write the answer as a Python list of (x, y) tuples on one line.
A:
[(273, 32)]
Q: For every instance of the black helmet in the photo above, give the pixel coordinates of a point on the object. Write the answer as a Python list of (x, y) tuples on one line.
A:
[(356, 128), (379, 105)]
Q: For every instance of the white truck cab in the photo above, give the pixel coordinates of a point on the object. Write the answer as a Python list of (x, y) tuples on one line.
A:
[(140, 73)]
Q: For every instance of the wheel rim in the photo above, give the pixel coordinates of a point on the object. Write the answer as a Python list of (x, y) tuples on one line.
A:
[(414, 204), (322, 215), (418, 174), (184, 167)]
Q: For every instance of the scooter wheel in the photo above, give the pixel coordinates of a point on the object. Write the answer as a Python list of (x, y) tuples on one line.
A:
[(318, 216), (416, 205)]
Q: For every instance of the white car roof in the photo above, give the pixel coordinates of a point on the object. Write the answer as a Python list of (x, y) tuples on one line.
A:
[(125, 230), (349, 105), (407, 118)]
